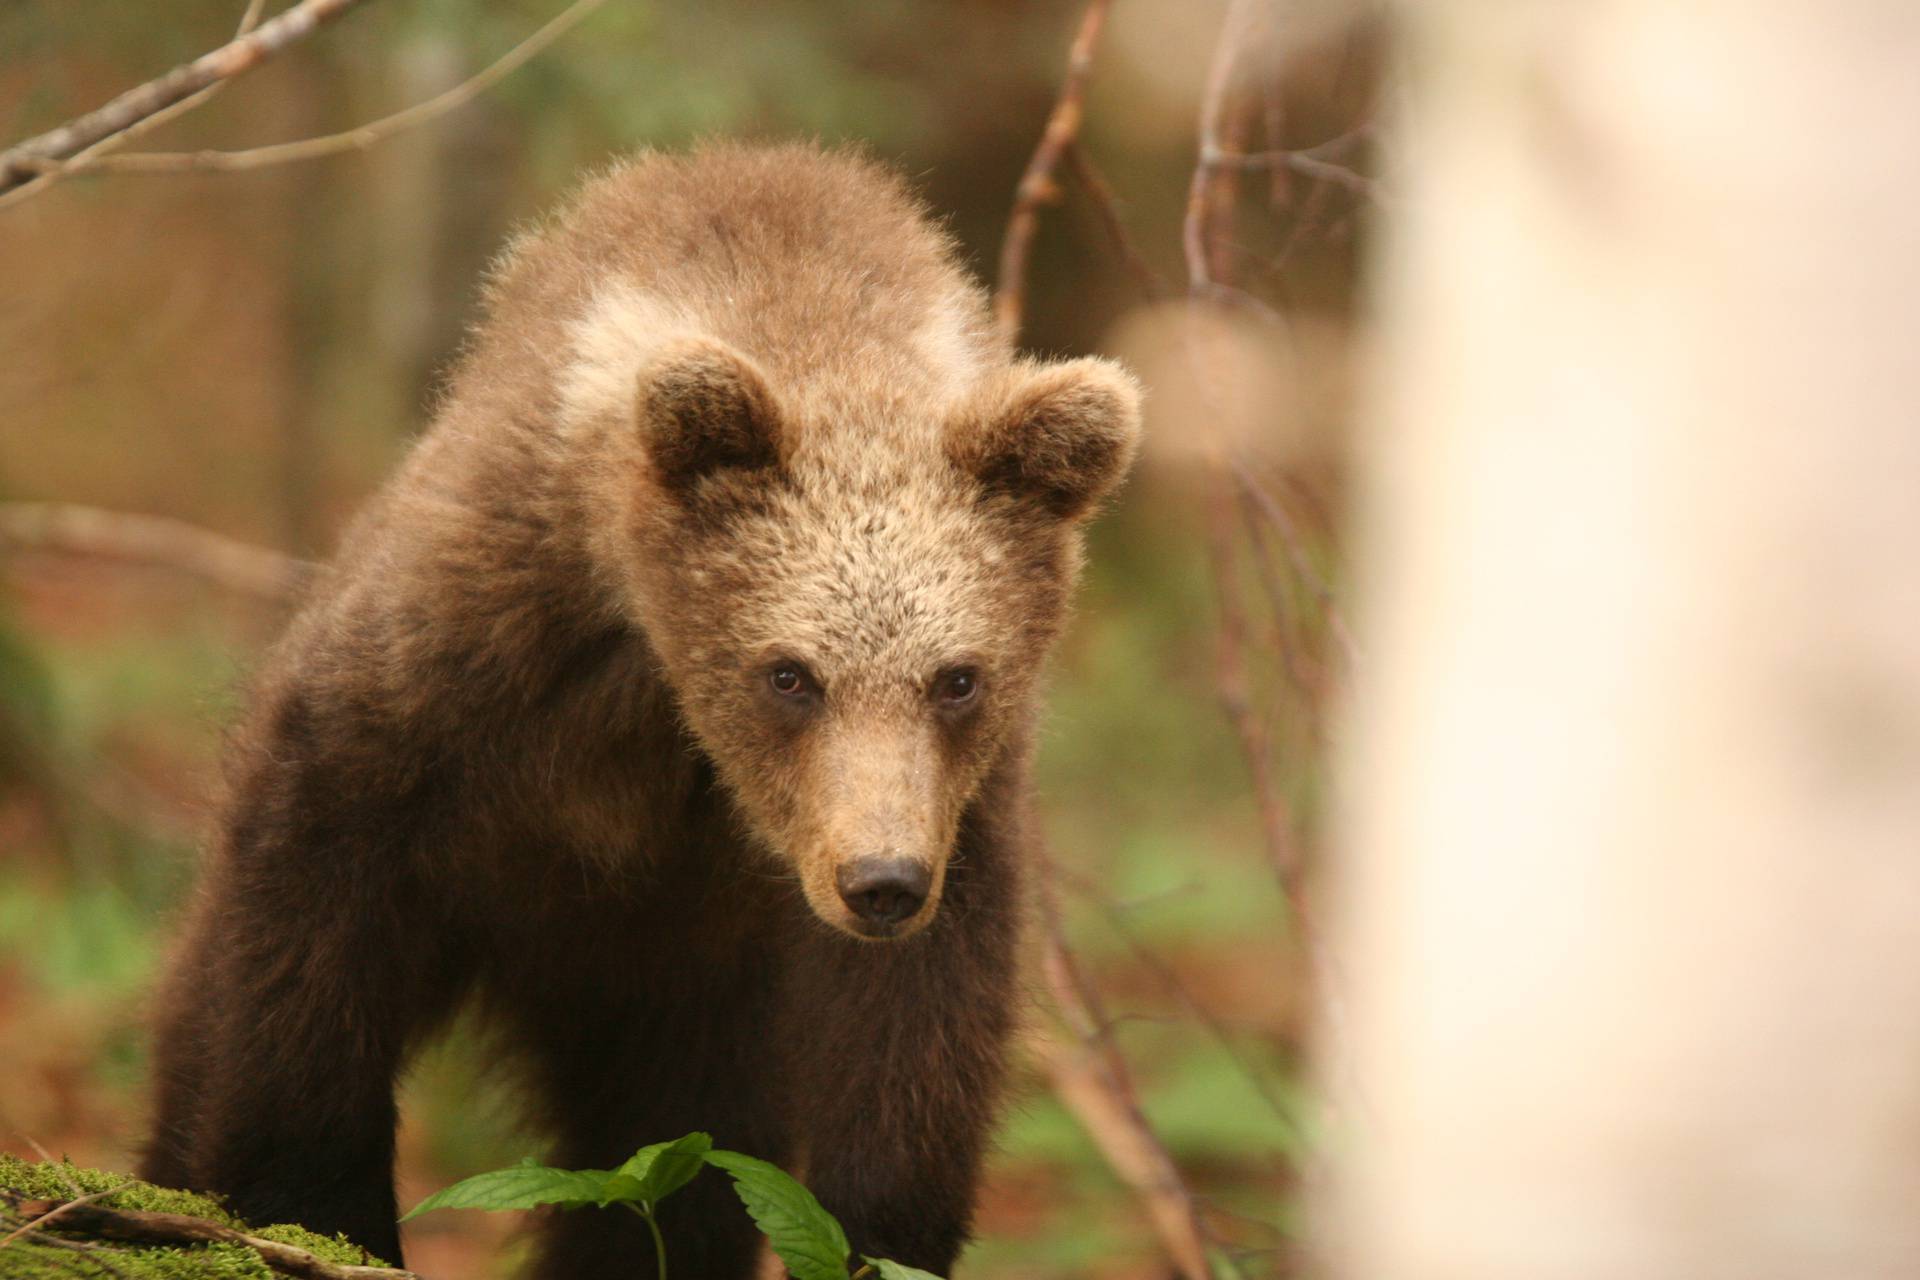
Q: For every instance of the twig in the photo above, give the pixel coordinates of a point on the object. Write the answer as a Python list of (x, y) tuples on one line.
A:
[(154, 541), (1203, 189), (1278, 824), (1283, 524), (1038, 186), (356, 139), (1177, 986), (1095, 1083), (251, 18), (37, 1221), (140, 1227), (140, 128), (1273, 119), (1107, 208), (1306, 215), (1293, 661), (22, 162), (1301, 162), (1236, 697)]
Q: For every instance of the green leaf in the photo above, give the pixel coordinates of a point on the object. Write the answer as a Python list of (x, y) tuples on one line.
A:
[(891, 1270), (805, 1236), (657, 1171), (521, 1187)]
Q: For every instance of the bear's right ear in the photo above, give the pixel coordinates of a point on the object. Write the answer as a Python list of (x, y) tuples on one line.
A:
[(704, 408)]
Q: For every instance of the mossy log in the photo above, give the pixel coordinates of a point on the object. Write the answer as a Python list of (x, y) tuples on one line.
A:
[(60, 1220)]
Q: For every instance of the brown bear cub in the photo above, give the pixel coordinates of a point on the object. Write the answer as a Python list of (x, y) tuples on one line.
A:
[(673, 706)]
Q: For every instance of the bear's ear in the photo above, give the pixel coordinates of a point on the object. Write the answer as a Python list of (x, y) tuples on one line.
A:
[(703, 407), (1061, 435)]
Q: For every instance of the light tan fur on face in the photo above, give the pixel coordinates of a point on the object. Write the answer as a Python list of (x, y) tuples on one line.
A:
[(916, 505), (877, 588)]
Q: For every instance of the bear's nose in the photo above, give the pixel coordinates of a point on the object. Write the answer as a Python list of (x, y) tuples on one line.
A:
[(882, 890)]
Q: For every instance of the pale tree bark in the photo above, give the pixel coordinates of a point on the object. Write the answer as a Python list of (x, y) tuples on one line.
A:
[(1633, 909)]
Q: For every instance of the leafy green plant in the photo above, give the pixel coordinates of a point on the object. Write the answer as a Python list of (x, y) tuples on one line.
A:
[(806, 1237)]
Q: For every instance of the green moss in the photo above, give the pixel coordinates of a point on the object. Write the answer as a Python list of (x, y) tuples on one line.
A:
[(27, 1260)]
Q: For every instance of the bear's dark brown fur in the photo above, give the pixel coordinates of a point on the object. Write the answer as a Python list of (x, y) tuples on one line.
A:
[(719, 588)]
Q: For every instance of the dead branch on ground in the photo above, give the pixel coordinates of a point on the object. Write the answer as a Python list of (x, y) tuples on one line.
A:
[(40, 1221), (142, 1227)]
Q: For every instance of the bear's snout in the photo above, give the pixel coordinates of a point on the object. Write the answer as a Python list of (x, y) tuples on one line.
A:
[(881, 892)]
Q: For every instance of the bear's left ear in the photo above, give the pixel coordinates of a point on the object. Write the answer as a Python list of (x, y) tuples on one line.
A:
[(1062, 435)]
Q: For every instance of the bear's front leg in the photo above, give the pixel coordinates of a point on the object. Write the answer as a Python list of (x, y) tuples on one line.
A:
[(307, 972), (621, 1064), (905, 1046)]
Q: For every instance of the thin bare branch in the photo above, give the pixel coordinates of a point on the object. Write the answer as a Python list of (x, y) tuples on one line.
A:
[(251, 18), (139, 128), (21, 163), (40, 1222), (355, 139), (1293, 660), (1092, 1079), (1307, 217), (1177, 986), (1304, 163), (1202, 192), (1273, 119), (1038, 186), (155, 542), (1235, 690), (1107, 208), (1278, 824), (1277, 516), (1094, 1082)]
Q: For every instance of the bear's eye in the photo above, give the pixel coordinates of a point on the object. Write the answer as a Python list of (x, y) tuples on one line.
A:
[(957, 687), (790, 680)]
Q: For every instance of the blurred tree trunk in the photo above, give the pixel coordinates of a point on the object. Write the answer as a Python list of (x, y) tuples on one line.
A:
[(1634, 901), (442, 193), (404, 271), (314, 222)]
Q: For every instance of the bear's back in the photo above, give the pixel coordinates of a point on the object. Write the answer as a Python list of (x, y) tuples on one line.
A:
[(819, 264)]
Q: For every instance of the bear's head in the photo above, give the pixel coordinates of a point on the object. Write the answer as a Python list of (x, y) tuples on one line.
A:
[(853, 606)]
